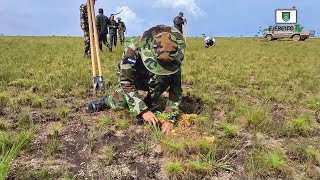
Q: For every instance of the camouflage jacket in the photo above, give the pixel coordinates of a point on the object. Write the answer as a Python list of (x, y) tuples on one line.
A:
[(134, 76), (113, 26), (178, 23), (84, 24), (102, 24), (122, 26)]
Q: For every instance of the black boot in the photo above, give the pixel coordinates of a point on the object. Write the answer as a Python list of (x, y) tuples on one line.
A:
[(97, 105)]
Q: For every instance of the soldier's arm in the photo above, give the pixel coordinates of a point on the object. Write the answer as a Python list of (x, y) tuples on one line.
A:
[(82, 12), (98, 24), (175, 93), (135, 103)]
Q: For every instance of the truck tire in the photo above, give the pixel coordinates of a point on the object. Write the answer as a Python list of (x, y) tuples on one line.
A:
[(269, 37), (296, 37)]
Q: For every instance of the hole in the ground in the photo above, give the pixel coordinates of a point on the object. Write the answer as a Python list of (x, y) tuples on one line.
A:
[(191, 105)]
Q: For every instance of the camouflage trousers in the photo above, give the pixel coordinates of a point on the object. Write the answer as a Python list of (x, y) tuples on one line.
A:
[(86, 41), (155, 86), (121, 36)]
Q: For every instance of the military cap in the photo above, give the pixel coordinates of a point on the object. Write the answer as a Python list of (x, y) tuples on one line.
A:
[(100, 10), (181, 13), (162, 49)]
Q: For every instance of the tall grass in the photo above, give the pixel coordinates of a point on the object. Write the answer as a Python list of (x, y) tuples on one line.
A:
[(9, 153)]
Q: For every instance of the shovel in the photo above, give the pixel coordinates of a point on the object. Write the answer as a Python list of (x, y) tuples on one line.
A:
[(98, 83)]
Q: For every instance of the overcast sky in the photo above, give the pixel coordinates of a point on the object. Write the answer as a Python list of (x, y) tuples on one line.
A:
[(212, 17)]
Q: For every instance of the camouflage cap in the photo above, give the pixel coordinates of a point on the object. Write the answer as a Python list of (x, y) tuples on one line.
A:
[(181, 13), (100, 10), (162, 49)]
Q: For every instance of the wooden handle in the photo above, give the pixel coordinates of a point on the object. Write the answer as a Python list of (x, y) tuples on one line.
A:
[(92, 47), (95, 31), (185, 31)]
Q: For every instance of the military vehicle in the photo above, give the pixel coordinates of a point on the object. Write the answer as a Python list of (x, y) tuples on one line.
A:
[(293, 32)]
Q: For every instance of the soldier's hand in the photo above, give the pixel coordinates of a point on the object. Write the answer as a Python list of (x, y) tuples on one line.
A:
[(150, 118), (167, 126)]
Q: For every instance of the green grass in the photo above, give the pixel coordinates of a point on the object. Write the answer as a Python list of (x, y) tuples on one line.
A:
[(103, 122), (122, 124), (171, 146), (143, 147), (174, 169), (199, 166), (9, 153), (299, 126), (242, 82), (25, 121), (3, 101), (230, 130), (106, 155)]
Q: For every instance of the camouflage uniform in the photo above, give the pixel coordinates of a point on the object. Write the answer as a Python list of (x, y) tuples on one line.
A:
[(139, 70), (121, 31), (85, 28), (113, 26)]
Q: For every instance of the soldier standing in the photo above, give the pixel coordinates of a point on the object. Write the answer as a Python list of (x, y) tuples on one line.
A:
[(151, 63), (84, 24), (179, 21), (102, 27), (122, 30), (113, 26)]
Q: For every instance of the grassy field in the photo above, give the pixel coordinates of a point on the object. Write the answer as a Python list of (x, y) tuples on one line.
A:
[(255, 103)]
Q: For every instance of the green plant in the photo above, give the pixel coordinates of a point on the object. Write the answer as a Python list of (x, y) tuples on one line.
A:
[(56, 129), (122, 123), (174, 169), (274, 161), (103, 122), (166, 116), (229, 129), (143, 147), (155, 133), (19, 143), (106, 155), (256, 116), (203, 145), (199, 166), (37, 102), (173, 147), (63, 112), (300, 126)]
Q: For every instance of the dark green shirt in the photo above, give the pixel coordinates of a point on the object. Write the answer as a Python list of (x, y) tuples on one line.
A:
[(102, 24), (178, 23)]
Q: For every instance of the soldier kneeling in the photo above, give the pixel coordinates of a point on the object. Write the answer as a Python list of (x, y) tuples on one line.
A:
[(151, 63)]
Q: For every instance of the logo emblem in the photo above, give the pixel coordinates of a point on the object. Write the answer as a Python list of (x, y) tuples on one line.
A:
[(286, 16)]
